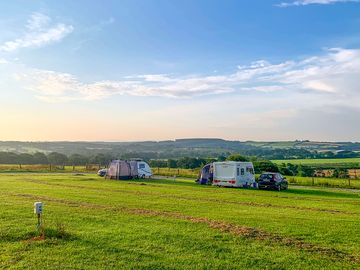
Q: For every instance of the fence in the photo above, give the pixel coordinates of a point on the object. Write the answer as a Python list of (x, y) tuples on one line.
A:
[(49, 168)]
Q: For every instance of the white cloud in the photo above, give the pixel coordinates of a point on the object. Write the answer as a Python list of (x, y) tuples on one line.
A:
[(37, 21), (311, 2), (336, 73), (3, 61), (39, 32)]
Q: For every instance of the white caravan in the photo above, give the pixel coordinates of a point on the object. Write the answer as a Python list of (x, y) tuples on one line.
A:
[(144, 170), (234, 174)]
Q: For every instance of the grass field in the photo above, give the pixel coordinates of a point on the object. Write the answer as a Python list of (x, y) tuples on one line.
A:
[(92, 223), (315, 162)]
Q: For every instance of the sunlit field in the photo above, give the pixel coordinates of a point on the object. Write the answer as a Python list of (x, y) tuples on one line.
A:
[(173, 223), (331, 161)]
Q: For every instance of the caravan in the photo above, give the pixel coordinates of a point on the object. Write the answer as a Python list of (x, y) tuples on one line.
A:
[(233, 174), (144, 170)]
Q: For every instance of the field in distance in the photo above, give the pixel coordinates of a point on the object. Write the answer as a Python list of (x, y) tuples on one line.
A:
[(93, 223), (319, 161)]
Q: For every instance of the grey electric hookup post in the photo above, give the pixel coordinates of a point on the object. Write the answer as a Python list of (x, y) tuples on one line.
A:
[(38, 209)]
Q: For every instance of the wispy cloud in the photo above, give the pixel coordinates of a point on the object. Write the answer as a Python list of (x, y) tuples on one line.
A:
[(39, 31), (336, 72), (311, 2)]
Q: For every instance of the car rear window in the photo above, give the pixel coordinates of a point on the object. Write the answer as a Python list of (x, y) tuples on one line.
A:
[(267, 177)]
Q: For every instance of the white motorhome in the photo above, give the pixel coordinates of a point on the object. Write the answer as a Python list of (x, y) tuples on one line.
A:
[(234, 174), (144, 170)]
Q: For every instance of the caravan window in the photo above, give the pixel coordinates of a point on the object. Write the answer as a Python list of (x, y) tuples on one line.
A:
[(237, 171), (141, 166), (250, 170), (242, 171)]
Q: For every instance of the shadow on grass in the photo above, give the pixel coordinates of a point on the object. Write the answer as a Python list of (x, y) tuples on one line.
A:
[(168, 181), (320, 192), (49, 233)]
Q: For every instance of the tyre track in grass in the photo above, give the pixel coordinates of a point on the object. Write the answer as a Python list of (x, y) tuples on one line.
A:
[(142, 193), (225, 227)]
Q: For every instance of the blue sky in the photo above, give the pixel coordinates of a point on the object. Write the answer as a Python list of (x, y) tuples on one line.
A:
[(244, 70)]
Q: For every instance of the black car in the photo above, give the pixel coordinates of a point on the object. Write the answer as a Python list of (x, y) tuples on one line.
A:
[(271, 180)]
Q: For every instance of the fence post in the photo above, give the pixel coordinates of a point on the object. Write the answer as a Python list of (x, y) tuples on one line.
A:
[(50, 167), (178, 172), (20, 166), (73, 167)]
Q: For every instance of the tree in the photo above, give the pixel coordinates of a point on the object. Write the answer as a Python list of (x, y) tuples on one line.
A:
[(102, 159), (76, 159), (171, 163), (305, 171), (25, 158), (57, 158), (265, 166), (284, 170), (8, 158), (40, 158), (237, 157)]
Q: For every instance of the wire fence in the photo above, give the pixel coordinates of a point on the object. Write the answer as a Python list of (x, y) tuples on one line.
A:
[(49, 168)]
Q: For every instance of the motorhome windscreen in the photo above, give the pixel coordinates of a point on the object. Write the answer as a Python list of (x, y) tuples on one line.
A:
[(225, 170)]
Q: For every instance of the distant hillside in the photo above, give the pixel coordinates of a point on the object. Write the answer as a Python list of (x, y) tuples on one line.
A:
[(196, 147)]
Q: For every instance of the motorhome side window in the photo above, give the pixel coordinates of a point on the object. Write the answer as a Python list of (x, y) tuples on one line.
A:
[(237, 171), (141, 166), (242, 171)]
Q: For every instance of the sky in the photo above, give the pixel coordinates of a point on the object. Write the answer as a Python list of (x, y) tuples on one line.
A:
[(135, 70)]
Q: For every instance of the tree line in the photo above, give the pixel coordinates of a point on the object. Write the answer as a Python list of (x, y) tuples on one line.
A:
[(53, 158), (260, 164)]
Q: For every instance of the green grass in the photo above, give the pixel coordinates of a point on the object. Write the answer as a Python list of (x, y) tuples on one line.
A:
[(187, 173), (324, 182), (319, 161), (92, 223)]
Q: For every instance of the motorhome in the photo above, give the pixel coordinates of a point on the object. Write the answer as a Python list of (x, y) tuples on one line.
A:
[(233, 174)]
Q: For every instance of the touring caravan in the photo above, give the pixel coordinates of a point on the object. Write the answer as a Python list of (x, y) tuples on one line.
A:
[(144, 170), (233, 174)]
